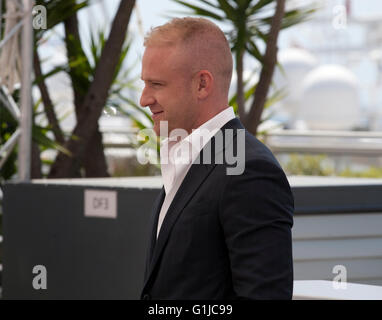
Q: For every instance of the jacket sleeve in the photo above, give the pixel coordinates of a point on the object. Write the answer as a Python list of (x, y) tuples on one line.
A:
[(256, 214)]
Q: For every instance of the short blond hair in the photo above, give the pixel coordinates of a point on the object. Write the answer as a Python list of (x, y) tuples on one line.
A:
[(203, 39)]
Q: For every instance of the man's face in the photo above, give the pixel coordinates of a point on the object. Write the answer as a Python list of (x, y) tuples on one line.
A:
[(168, 88)]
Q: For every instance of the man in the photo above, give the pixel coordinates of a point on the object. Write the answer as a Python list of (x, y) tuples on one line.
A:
[(213, 235)]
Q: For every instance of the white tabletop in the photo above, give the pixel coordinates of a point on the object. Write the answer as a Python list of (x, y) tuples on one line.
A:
[(325, 290)]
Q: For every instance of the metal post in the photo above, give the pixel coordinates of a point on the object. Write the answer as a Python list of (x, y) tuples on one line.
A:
[(1, 16), (9, 35), (9, 103), (6, 149), (25, 143)]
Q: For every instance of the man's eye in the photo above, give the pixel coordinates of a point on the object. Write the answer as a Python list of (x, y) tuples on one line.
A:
[(156, 84)]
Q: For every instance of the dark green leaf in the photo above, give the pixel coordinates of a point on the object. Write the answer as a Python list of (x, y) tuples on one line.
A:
[(254, 51), (136, 107), (230, 12), (40, 137), (259, 5), (199, 10)]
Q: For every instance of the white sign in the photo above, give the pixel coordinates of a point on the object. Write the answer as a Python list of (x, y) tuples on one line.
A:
[(101, 204)]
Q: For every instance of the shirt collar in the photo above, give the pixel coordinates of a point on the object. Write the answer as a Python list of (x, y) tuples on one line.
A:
[(177, 157)]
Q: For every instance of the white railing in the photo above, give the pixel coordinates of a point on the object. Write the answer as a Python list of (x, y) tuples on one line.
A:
[(363, 143)]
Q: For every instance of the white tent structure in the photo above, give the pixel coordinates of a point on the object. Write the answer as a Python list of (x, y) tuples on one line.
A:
[(323, 97), (330, 99), (295, 64)]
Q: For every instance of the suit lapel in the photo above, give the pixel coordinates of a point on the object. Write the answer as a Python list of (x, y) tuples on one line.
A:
[(153, 222), (193, 179)]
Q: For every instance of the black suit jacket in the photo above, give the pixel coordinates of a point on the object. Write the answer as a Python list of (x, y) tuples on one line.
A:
[(224, 236)]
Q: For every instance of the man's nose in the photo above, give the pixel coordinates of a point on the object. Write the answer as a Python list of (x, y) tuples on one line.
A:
[(146, 98)]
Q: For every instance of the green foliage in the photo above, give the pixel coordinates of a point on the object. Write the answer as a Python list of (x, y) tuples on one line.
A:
[(309, 165), (58, 11), (81, 68), (248, 23), (372, 172), (317, 165), (122, 80), (119, 100), (123, 167), (248, 93), (40, 135), (8, 126), (249, 20)]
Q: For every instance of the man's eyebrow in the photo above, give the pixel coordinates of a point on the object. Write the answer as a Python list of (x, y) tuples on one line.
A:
[(153, 80)]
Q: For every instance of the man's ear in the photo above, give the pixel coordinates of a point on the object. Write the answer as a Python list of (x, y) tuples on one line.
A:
[(204, 82)]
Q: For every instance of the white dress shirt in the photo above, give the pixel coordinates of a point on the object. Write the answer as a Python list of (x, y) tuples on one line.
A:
[(177, 157)]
